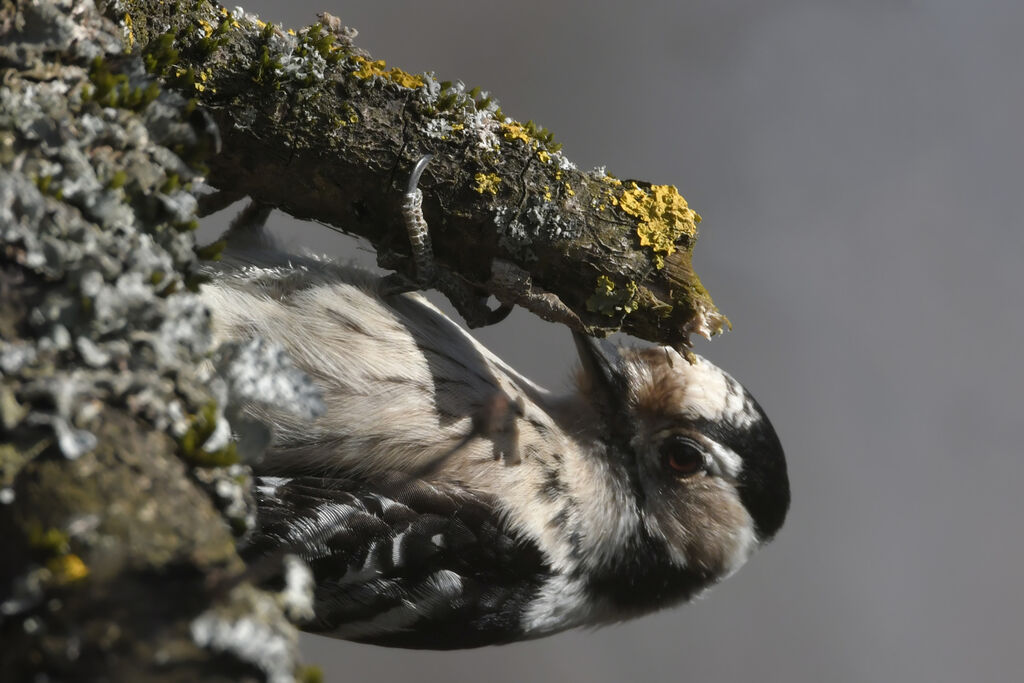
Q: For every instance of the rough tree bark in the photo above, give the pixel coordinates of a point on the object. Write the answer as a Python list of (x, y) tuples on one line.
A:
[(313, 125), (121, 494), (123, 478)]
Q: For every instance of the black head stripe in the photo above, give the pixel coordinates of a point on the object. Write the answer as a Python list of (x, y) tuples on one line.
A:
[(763, 482)]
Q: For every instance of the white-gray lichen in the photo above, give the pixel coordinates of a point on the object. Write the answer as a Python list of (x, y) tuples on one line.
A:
[(519, 230), (296, 598), (98, 310), (251, 635)]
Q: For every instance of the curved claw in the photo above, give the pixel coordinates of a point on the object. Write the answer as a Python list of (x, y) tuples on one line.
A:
[(417, 171)]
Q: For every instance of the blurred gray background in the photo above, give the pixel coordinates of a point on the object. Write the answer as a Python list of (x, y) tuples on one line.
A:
[(859, 169)]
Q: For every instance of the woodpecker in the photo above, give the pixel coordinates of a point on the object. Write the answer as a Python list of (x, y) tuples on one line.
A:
[(443, 500)]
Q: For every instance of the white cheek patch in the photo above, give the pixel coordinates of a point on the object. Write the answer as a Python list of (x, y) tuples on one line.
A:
[(724, 461)]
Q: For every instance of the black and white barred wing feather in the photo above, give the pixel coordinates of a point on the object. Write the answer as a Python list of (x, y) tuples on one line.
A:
[(401, 562)]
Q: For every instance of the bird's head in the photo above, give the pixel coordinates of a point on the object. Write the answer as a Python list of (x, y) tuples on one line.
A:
[(706, 469)]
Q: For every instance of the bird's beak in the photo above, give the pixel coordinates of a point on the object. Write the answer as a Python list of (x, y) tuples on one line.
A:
[(603, 370)]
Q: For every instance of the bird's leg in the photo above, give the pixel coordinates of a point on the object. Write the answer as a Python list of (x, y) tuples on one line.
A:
[(425, 271), (470, 305), (416, 225)]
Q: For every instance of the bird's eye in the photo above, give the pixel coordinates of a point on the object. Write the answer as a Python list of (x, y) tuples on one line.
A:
[(681, 457)]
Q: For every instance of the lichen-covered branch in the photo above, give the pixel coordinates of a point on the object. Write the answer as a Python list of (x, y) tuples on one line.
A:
[(315, 126), (121, 491)]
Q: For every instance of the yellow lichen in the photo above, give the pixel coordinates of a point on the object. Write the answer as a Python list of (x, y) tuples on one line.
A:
[(129, 32), (515, 131), (487, 182), (370, 68), (664, 217), (569, 191), (229, 18), (67, 568), (202, 78), (544, 156)]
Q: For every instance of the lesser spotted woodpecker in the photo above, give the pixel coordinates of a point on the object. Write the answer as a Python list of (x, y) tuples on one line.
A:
[(445, 501)]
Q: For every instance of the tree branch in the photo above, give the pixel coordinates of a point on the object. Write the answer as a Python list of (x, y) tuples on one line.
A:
[(314, 126)]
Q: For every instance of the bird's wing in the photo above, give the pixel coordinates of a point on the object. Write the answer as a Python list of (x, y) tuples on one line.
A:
[(401, 562)]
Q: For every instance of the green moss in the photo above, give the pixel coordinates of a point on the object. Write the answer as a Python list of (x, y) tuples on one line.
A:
[(543, 136), (183, 78), (114, 90), (201, 427), (171, 184), (161, 54), (104, 82), (212, 251), (318, 38), (447, 98), (137, 99), (48, 540), (118, 179), (214, 37), (43, 183), (310, 674), (265, 67), (267, 31)]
